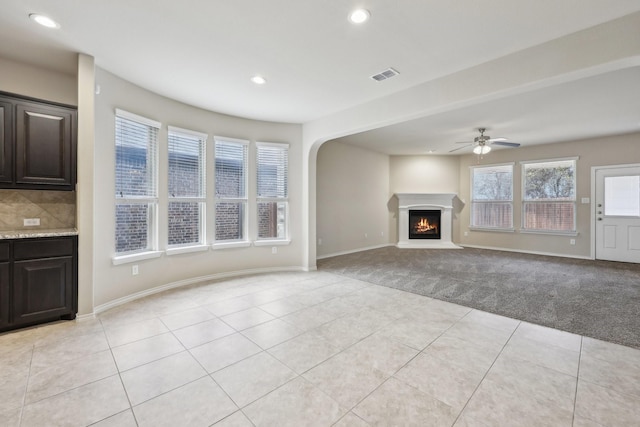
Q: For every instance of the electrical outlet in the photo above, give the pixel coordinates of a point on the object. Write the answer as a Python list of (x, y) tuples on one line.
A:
[(134, 270), (30, 222), (572, 241), (274, 249)]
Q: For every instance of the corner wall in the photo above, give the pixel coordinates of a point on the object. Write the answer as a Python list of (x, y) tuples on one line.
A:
[(353, 194)]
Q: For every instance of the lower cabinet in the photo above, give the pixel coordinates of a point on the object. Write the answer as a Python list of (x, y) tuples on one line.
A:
[(4, 295), (40, 281)]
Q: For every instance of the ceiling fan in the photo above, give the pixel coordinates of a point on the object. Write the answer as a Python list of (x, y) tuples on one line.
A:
[(482, 144)]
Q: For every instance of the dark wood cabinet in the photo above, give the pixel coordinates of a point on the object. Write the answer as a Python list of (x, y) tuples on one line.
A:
[(5, 284), (39, 142), (39, 281), (6, 142)]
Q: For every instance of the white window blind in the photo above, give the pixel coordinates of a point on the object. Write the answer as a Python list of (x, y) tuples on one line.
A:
[(549, 195), (186, 209), (492, 196), (136, 140), (231, 164), (273, 169), (272, 190)]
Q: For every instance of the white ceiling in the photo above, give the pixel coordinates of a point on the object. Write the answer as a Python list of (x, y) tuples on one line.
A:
[(316, 63)]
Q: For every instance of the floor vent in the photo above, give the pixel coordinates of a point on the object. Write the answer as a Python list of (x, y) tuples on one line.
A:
[(384, 75)]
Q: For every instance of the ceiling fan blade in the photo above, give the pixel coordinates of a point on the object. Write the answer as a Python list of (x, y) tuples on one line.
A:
[(459, 148), (464, 142), (497, 139), (506, 143)]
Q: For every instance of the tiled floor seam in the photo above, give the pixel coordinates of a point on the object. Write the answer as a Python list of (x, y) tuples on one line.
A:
[(26, 387), (575, 396), (485, 375)]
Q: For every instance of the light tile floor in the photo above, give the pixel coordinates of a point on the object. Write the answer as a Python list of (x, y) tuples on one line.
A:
[(310, 349)]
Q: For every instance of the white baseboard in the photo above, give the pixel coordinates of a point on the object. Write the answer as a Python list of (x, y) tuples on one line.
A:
[(352, 251), (493, 248), (120, 301)]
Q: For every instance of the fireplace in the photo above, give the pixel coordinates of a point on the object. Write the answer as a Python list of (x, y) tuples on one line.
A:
[(424, 224), (425, 220)]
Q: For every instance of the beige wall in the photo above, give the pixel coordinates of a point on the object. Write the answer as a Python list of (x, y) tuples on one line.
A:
[(26, 80), (615, 150), (114, 282), (353, 193), (355, 189)]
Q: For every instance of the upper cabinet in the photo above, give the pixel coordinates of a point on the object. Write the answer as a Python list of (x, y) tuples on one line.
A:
[(38, 145)]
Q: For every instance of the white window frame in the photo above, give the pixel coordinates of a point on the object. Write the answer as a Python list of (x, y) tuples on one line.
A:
[(201, 199), (151, 251), (244, 242), (285, 239), (472, 169), (525, 200)]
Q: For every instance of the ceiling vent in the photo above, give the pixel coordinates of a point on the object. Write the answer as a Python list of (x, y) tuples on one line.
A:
[(384, 75)]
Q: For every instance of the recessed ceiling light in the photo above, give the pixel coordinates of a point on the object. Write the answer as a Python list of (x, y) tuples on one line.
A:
[(359, 16), (259, 80), (45, 21)]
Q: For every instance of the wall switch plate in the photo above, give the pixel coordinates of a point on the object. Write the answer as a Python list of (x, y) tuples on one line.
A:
[(30, 222), (585, 200), (134, 270), (274, 249), (572, 241), (466, 233)]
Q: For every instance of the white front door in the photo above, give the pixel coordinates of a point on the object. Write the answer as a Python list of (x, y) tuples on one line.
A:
[(618, 213)]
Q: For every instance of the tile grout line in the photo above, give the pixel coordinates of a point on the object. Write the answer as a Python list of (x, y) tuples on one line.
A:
[(486, 373), (575, 397)]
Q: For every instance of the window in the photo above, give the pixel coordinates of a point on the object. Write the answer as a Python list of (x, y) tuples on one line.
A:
[(231, 189), (272, 186), (622, 195), (186, 209), (549, 196), (136, 183), (492, 197)]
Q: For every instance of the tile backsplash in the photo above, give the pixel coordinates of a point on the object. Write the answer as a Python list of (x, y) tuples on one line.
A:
[(56, 209)]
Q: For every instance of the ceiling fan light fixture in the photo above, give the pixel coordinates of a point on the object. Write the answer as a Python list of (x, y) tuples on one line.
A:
[(481, 149)]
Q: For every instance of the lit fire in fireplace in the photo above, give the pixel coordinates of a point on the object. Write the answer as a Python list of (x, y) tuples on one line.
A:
[(423, 226)]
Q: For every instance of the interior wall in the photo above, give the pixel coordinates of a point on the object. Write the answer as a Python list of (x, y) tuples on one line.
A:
[(27, 80), (424, 174), (353, 193), (114, 282), (614, 150)]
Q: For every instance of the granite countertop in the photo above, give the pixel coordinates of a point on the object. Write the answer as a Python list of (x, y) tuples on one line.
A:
[(40, 232)]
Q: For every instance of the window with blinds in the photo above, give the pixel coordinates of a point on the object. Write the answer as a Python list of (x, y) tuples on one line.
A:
[(492, 197), (549, 196), (231, 157), (136, 185), (186, 185), (272, 190)]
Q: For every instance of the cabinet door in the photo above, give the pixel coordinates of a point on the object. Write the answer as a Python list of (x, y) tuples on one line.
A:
[(43, 289), (4, 294), (6, 141), (45, 146)]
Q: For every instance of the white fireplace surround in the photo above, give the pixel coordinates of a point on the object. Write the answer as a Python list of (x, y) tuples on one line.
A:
[(417, 201)]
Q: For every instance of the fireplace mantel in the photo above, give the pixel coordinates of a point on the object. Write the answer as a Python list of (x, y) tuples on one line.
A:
[(417, 201)]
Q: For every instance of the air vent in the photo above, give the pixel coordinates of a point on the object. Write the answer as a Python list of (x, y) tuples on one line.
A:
[(384, 75)]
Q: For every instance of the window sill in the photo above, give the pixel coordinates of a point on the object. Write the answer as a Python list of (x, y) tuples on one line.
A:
[(497, 230), (278, 242), (550, 232), (229, 245), (125, 259), (186, 249)]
